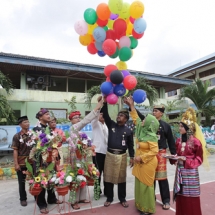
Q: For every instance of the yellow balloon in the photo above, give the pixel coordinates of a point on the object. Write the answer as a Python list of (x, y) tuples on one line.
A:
[(126, 92), (85, 40), (110, 23), (136, 9), (125, 12), (129, 28), (115, 6), (121, 65), (91, 28)]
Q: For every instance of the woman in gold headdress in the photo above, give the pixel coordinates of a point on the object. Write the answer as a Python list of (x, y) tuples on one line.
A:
[(191, 152)]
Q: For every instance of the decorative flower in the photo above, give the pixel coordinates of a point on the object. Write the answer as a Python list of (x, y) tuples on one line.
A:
[(81, 178), (83, 184), (45, 140), (69, 178), (81, 172), (54, 145), (37, 179)]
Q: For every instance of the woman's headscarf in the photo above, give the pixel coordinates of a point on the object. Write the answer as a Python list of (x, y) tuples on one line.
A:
[(148, 131)]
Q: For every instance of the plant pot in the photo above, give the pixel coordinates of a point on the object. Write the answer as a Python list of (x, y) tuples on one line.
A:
[(35, 191), (90, 181), (62, 191)]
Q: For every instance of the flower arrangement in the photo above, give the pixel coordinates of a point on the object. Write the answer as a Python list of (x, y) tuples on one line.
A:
[(81, 144), (43, 144), (41, 179)]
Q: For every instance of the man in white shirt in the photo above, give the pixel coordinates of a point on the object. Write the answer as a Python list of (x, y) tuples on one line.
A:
[(100, 139)]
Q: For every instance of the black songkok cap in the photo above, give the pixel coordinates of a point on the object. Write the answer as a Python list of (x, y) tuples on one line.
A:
[(125, 112), (22, 118)]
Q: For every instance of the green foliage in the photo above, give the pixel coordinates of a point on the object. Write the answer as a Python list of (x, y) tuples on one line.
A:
[(6, 83), (202, 97), (90, 93), (29, 167), (6, 111), (71, 103)]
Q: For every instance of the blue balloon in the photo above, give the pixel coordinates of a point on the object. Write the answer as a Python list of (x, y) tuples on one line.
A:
[(99, 34), (139, 25), (119, 90), (106, 88), (101, 53), (139, 96), (98, 46)]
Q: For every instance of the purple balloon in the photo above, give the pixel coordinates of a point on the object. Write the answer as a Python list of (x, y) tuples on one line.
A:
[(114, 16), (125, 73)]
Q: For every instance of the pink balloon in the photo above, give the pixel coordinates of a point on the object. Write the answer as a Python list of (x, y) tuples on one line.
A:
[(124, 41), (112, 99), (131, 19), (81, 27)]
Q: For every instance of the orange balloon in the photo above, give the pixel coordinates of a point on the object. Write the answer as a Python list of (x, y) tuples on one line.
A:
[(103, 11)]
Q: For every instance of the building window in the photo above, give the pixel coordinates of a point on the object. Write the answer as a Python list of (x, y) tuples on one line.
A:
[(212, 82), (207, 73), (76, 85), (91, 83), (58, 84), (172, 93)]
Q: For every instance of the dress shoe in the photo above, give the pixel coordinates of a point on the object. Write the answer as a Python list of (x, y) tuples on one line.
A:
[(23, 203)]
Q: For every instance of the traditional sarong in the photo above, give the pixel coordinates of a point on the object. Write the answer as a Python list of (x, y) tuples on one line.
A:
[(187, 182), (161, 173), (115, 168), (144, 197)]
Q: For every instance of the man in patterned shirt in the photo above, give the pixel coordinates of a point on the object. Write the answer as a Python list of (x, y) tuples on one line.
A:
[(21, 151)]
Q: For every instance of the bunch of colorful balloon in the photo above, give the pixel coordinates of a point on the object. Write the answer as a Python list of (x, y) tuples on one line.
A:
[(113, 29)]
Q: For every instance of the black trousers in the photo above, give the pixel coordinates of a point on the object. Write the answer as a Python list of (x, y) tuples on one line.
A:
[(41, 200), (121, 191), (21, 181), (164, 190), (99, 161)]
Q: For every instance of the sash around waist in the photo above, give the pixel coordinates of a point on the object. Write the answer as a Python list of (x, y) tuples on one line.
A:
[(116, 151)]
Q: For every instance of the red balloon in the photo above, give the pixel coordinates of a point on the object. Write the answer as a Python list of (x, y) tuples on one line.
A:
[(109, 47), (108, 79), (120, 27), (91, 48), (109, 68), (136, 35), (130, 82), (101, 23), (110, 34)]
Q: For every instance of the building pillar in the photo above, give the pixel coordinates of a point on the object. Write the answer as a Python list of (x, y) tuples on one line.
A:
[(23, 108), (23, 84), (162, 93)]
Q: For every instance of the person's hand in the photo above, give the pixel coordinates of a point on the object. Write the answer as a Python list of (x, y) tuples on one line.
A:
[(130, 101), (125, 100), (17, 167), (99, 98), (131, 162), (182, 158), (104, 99), (137, 159)]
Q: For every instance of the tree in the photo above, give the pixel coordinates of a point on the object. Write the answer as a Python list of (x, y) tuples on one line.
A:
[(6, 112), (202, 97), (142, 83)]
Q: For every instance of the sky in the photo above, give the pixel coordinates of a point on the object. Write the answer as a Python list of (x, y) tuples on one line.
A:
[(178, 32)]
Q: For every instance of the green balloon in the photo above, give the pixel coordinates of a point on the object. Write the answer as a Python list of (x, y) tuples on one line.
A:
[(134, 42), (116, 54), (90, 16), (106, 28), (125, 54)]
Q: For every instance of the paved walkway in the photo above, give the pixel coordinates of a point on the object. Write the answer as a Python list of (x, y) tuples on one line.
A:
[(10, 199)]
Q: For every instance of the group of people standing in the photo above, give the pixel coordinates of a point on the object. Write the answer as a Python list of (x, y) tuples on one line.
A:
[(112, 139)]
